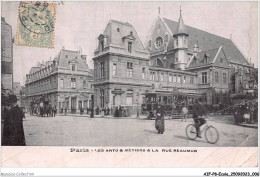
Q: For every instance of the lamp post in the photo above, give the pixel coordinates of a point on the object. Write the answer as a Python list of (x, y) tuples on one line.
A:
[(137, 100)]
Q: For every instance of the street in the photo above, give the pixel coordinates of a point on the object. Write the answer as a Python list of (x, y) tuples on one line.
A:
[(71, 130)]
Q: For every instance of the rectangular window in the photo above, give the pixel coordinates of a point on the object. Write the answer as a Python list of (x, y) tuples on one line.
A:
[(152, 76), (216, 76), (73, 67), (184, 79), (170, 78), (102, 45), (61, 83), (73, 83), (129, 100), (161, 77), (192, 80), (129, 71), (225, 78), (84, 84), (174, 78), (204, 78), (114, 69), (179, 79), (143, 73), (130, 47), (102, 69)]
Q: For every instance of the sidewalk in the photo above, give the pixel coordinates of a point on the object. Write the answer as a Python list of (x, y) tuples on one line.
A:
[(107, 117), (255, 125)]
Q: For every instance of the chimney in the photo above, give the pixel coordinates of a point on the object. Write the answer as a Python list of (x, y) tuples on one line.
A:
[(84, 57)]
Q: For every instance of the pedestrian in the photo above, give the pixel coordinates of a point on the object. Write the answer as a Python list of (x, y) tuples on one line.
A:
[(120, 111), (108, 111), (184, 113), (54, 111), (13, 132), (105, 111), (159, 121), (97, 111), (116, 112)]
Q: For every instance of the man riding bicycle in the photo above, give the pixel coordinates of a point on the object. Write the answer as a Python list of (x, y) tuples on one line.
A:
[(199, 114)]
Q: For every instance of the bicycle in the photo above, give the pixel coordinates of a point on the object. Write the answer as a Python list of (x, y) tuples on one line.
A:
[(211, 133)]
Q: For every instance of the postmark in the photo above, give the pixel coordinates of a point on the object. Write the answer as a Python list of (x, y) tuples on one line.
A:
[(36, 24)]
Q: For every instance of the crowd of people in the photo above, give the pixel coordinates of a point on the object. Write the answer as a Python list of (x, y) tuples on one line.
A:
[(48, 111)]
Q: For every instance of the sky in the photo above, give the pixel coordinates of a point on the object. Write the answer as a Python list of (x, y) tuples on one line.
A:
[(78, 25)]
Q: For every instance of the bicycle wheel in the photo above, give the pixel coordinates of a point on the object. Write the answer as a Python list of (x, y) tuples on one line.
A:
[(191, 131), (212, 135)]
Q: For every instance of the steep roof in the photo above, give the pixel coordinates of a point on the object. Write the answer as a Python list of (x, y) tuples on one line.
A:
[(208, 41), (201, 56), (181, 28), (67, 56), (34, 69), (116, 31)]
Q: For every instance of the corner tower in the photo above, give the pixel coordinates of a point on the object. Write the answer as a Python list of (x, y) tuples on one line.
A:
[(180, 44)]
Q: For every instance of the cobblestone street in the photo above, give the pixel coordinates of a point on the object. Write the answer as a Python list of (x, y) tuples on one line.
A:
[(84, 131)]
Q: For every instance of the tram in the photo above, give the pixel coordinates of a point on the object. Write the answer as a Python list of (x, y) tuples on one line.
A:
[(171, 102)]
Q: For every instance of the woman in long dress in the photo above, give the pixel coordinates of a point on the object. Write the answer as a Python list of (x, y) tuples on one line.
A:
[(159, 121)]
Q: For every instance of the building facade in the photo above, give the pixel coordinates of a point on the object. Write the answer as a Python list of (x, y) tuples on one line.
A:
[(6, 57), (66, 82), (19, 91), (175, 56)]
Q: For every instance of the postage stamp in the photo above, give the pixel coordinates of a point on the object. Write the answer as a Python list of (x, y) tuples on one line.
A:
[(36, 24)]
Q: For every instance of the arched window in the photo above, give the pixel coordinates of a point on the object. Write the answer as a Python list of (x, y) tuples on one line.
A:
[(158, 42)]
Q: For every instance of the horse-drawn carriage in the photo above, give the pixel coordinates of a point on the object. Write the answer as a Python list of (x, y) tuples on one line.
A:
[(41, 107)]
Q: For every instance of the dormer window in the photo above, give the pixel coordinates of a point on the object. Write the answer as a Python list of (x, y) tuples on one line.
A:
[(221, 60), (131, 33), (130, 47), (73, 67)]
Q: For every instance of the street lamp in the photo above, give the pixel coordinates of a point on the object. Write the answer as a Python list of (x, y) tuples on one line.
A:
[(137, 100)]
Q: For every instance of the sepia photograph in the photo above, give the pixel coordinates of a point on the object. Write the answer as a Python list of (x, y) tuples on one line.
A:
[(129, 74)]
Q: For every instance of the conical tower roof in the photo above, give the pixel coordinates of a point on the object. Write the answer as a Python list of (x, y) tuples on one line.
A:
[(181, 28)]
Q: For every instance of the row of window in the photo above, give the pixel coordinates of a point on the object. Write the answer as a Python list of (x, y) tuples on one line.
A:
[(204, 77), (73, 83), (42, 85), (217, 77), (129, 46)]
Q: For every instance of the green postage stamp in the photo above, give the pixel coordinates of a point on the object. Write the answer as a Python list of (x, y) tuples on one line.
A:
[(35, 25)]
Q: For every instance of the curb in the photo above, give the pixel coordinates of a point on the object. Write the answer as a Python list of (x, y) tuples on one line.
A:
[(248, 125)]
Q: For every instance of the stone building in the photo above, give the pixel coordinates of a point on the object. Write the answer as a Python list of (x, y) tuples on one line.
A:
[(66, 81), (19, 91), (175, 56), (6, 57)]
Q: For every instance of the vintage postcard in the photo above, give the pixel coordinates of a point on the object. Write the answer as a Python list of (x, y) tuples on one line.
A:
[(129, 84)]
